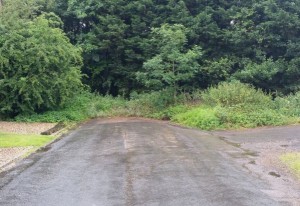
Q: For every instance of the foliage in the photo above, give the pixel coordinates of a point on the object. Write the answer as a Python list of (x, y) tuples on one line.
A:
[(238, 38), (263, 75), (85, 105), (237, 105), (82, 106), (157, 54), (288, 105), (14, 13), (251, 117), (214, 71), (208, 118), (214, 111), (39, 67), (23, 140), (201, 117), (146, 104), (235, 94), (170, 112), (171, 66), (280, 75)]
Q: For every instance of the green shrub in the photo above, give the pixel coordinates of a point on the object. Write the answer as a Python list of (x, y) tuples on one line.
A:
[(201, 117), (148, 103), (235, 94), (250, 117), (264, 74), (81, 107), (170, 112), (39, 67), (209, 118), (289, 105)]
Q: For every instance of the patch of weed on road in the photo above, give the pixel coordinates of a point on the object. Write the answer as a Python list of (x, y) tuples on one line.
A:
[(292, 160)]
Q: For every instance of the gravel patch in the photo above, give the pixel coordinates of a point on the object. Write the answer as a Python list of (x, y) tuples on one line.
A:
[(7, 155), (25, 128)]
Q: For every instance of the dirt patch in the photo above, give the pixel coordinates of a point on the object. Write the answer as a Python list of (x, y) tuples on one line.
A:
[(8, 155), (25, 128)]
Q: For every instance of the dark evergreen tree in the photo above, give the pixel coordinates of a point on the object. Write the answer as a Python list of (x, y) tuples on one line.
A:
[(238, 38)]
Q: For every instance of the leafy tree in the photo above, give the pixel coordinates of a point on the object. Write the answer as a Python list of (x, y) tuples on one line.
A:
[(101, 34), (39, 67), (173, 66), (265, 75), (214, 71), (237, 38)]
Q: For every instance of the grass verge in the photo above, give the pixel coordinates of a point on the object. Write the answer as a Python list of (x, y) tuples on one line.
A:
[(292, 160), (23, 140)]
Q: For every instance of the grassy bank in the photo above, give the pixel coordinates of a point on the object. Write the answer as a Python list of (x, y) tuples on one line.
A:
[(226, 106)]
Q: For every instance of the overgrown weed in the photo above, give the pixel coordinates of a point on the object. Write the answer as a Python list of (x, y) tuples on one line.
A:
[(227, 105)]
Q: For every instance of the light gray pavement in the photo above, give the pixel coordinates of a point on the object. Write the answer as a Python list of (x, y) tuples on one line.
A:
[(135, 162)]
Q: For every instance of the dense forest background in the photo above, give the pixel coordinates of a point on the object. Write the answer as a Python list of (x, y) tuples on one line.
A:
[(50, 49), (255, 41)]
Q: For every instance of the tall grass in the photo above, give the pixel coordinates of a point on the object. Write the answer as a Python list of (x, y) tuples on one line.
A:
[(237, 105), (289, 105), (236, 94), (83, 106)]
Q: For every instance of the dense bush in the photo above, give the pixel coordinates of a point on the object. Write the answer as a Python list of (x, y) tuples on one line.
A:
[(39, 67), (236, 94), (250, 118), (255, 41), (264, 75), (149, 103), (237, 105), (205, 117), (200, 117), (289, 105)]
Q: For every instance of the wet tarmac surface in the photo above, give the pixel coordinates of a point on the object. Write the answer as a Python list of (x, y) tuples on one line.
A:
[(137, 162)]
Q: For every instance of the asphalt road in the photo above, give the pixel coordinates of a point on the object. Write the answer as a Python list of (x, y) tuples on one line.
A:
[(134, 162)]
